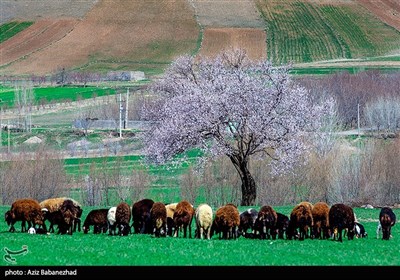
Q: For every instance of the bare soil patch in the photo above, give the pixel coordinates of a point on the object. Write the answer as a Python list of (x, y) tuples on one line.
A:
[(251, 39), (386, 10)]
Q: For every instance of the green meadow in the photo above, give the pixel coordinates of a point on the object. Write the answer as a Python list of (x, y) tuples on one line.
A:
[(90, 249), (53, 94)]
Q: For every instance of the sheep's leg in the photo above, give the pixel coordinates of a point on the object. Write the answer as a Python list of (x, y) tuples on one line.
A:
[(12, 228), (209, 233), (51, 228), (23, 226)]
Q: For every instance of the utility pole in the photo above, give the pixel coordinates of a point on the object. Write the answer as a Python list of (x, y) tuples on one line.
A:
[(126, 108), (8, 140), (358, 119), (1, 126), (120, 115)]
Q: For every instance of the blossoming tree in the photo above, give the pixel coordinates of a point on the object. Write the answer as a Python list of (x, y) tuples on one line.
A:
[(232, 106)]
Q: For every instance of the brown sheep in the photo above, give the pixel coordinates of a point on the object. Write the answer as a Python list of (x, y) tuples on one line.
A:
[(158, 216), (226, 222), (171, 207), (320, 213), (387, 219), (26, 210), (265, 224), (98, 219), (300, 219), (309, 205), (341, 217), (141, 216), (183, 217), (71, 213), (123, 218)]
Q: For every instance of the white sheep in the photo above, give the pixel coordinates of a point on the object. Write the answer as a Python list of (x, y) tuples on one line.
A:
[(111, 220), (204, 219), (171, 207)]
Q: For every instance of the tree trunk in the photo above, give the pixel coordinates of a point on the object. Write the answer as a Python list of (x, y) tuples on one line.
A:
[(249, 188)]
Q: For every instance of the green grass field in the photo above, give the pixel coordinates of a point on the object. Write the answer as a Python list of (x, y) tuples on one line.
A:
[(89, 249), (55, 94)]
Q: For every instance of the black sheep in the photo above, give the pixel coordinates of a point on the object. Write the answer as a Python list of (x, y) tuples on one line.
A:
[(98, 219), (61, 220), (387, 219), (282, 224), (265, 224), (360, 230), (247, 222), (341, 217), (141, 216)]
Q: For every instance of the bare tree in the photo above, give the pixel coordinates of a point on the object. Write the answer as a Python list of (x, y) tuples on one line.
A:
[(383, 114), (231, 106), (38, 175), (24, 101)]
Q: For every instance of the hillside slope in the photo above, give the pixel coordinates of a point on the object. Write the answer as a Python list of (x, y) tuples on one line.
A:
[(116, 33), (103, 35)]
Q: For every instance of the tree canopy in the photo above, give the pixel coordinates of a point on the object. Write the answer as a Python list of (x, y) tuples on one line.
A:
[(229, 105)]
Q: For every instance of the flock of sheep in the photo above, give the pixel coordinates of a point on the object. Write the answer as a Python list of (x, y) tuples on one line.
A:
[(306, 220)]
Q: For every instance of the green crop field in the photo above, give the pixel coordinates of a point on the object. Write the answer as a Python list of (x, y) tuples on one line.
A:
[(300, 32), (9, 29), (146, 250)]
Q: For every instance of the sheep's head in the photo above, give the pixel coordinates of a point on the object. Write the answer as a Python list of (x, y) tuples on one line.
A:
[(123, 229), (68, 217), (8, 217), (86, 229)]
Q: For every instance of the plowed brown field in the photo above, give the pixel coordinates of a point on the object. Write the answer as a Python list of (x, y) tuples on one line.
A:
[(41, 34), (117, 30), (251, 39)]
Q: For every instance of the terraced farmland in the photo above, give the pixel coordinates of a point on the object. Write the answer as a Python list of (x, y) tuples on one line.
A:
[(105, 35)]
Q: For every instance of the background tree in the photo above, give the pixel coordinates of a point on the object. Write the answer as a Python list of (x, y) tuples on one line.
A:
[(229, 105), (24, 99)]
